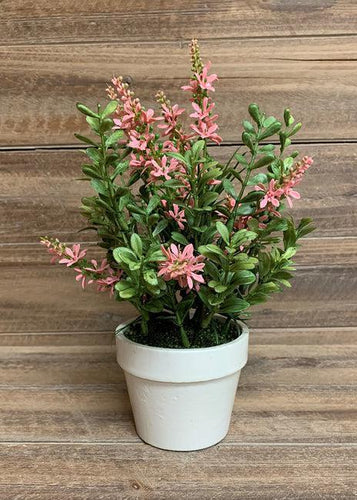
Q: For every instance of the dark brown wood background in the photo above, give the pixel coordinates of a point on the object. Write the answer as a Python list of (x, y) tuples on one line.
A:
[(296, 53), (277, 53)]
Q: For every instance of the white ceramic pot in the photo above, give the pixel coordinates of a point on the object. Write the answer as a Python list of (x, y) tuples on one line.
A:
[(182, 399)]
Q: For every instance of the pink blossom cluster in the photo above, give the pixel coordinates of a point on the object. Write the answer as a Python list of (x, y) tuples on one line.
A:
[(201, 83), (147, 155), (102, 274), (182, 266), (275, 191)]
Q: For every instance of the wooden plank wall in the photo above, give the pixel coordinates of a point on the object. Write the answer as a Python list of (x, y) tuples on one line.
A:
[(277, 53)]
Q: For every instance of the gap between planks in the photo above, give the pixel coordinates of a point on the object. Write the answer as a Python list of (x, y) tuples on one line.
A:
[(75, 147), (182, 43)]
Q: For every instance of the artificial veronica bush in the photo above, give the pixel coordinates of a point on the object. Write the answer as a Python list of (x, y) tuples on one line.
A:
[(187, 237)]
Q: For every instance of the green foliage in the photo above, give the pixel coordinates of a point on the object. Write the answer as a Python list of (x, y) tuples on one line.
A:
[(247, 249)]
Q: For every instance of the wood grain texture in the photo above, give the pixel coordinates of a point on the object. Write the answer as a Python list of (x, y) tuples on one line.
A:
[(314, 76), (134, 471), (262, 414), (44, 297), (38, 195), (287, 364), (27, 22)]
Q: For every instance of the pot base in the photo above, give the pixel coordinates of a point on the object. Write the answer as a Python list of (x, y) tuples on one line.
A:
[(185, 416)]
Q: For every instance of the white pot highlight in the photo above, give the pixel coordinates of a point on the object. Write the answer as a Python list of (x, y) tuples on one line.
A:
[(182, 399)]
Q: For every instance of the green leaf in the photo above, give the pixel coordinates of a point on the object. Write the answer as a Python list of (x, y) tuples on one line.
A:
[(245, 209), (93, 123), (248, 127), (179, 238), (258, 179), (223, 231), (244, 277), (269, 121), (99, 186), (198, 147), (263, 161), (288, 118), (155, 306), (233, 305), (252, 196), (153, 203), (155, 256), (125, 289), (90, 171), (229, 188), (86, 111), (241, 159), (106, 124), (179, 157), (150, 277), (247, 140), (160, 227), (271, 130), (204, 249), (86, 140), (109, 109), (254, 112), (124, 255), (113, 138), (290, 252), (295, 129), (208, 198), (136, 244)]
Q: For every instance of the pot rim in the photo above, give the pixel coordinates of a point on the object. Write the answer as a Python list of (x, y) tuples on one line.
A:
[(119, 332)]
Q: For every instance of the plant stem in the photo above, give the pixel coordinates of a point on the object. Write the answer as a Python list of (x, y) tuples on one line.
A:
[(185, 341)]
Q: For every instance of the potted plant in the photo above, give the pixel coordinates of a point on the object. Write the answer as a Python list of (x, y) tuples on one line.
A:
[(191, 242)]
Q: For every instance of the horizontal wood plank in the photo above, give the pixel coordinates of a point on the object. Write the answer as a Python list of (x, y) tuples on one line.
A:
[(314, 76), (39, 195), (129, 21), (293, 364), (136, 471), (261, 414), (45, 297)]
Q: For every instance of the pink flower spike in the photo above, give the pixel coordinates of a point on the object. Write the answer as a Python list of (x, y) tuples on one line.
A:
[(74, 254)]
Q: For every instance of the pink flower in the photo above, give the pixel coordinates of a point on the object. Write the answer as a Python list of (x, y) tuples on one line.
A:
[(192, 87), (74, 254), (207, 131), (202, 112), (108, 283), (139, 141), (204, 80), (294, 178), (182, 266), (170, 117), (82, 277), (272, 194), (98, 268), (178, 215), (137, 161), (290, 193), (169, 146), (148, 116), (162, 169)]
